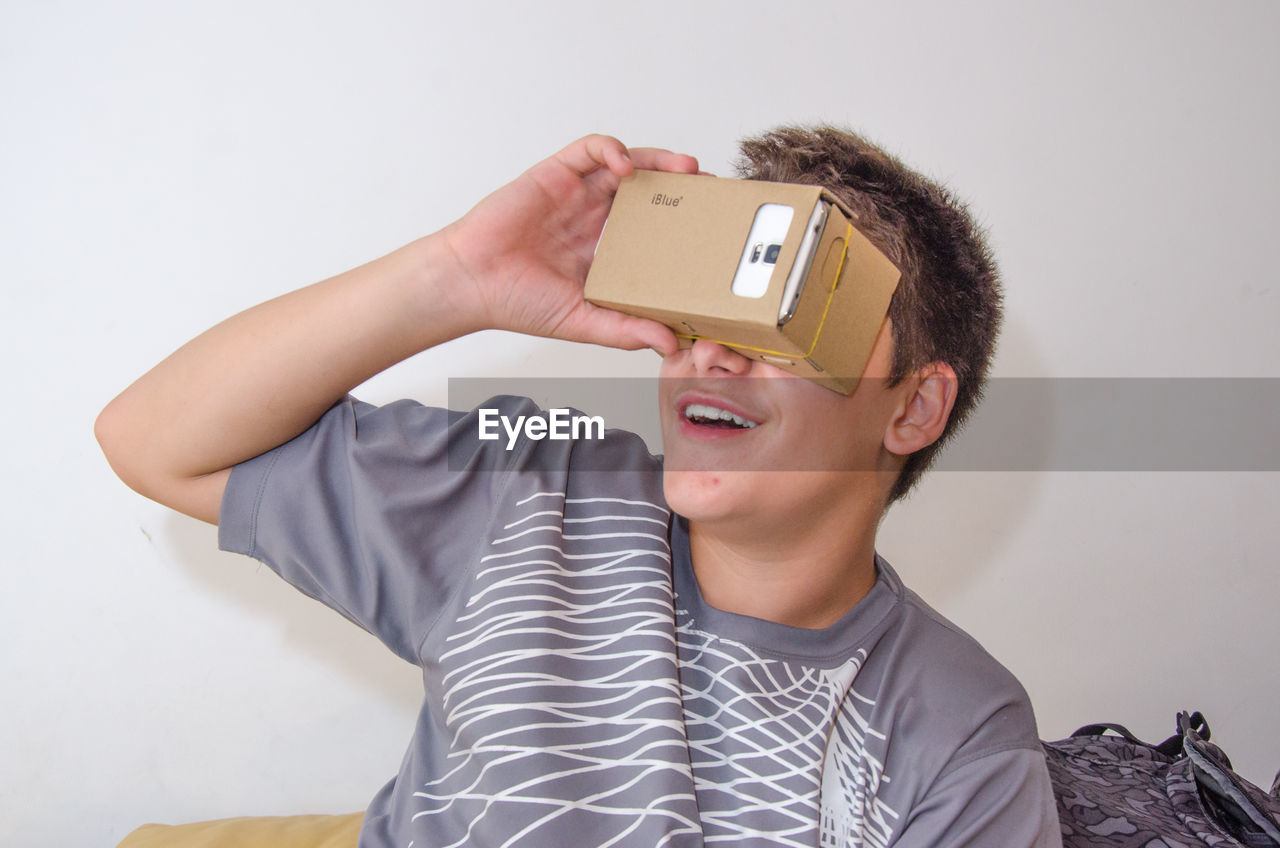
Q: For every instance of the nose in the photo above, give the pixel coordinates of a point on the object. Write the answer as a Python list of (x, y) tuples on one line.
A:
[(713, 358)]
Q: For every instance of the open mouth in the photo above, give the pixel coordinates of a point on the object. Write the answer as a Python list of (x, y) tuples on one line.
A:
[(705, 415)]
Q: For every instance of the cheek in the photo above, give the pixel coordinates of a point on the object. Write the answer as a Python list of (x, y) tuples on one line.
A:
[(838, 432), (828, 443), (816, 438)]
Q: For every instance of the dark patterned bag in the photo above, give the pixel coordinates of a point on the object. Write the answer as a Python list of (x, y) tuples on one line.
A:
[(1114, 790)]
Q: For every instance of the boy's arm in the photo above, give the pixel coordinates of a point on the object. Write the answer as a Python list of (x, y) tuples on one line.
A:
[(517, 261)]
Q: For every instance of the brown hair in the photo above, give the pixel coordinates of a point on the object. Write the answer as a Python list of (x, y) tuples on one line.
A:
[(947, 305)]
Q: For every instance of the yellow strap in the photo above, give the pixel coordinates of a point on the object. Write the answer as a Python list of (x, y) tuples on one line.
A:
[(835, 281)]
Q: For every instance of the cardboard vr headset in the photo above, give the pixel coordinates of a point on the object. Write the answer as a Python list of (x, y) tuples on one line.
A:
[(775, 271)]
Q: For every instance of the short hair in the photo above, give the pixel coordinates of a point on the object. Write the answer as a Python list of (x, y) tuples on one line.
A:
[(947, 306)]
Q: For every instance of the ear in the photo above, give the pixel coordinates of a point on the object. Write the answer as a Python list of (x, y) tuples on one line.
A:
[(927, 399)]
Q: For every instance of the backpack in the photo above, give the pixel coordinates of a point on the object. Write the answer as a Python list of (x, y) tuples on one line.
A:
[(1115, 790)]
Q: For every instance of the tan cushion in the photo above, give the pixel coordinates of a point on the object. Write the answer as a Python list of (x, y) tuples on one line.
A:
[(252, 832)]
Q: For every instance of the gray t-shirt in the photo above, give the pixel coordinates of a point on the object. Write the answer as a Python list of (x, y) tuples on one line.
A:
[(578, 689)]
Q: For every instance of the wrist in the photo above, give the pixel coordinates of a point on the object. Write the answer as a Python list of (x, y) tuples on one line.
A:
[(441, 297)]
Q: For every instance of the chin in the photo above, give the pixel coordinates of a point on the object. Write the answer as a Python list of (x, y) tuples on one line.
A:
[(709, 496)]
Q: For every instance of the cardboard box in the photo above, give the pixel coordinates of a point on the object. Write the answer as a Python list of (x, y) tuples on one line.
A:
[(673, 244)]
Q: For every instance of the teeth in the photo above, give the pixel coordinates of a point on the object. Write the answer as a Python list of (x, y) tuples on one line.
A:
[(711, 413)]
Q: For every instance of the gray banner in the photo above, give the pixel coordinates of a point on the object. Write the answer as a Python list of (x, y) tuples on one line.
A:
[(1086, 424)]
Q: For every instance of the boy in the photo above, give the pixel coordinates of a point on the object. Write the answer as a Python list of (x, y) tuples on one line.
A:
[(614, 654)]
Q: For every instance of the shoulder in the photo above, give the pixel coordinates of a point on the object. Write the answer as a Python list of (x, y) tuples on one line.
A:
[(956, 730), (940, 677)]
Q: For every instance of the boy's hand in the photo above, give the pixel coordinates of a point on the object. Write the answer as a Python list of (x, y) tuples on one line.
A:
[(523, 252)]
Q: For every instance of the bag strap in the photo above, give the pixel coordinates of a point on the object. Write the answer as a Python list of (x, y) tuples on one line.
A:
[(1236, 804), (1171, 747)]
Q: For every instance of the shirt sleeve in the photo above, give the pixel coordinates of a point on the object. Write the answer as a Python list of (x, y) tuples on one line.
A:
[(1002, 800), (377, 512)]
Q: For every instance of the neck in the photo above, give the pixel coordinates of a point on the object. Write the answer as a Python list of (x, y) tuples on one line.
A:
[(802, 571)]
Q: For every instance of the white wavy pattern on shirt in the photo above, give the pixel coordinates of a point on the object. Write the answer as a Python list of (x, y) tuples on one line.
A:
[(779, 750), (852, 812), (768, 765), (565, 652)]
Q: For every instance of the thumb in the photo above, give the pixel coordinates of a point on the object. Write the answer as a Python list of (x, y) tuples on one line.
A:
[(610, 328)]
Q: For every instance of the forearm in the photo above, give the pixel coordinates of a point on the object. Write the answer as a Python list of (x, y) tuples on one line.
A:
[(517, 261), (265, 375)]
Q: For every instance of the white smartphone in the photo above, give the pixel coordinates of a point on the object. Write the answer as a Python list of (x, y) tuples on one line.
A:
[(804, 261), (760, 255)]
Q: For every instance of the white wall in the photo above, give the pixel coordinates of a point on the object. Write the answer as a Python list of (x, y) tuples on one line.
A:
[(165, 165)]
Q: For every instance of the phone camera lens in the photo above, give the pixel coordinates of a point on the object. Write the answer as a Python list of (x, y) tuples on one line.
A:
[(771, 254)]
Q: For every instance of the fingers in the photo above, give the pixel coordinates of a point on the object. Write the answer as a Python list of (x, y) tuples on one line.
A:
[(657, 336), (592, 152), (660, 159), (589, 154)]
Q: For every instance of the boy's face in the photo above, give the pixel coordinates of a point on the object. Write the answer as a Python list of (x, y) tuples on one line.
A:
[(788, 460)]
